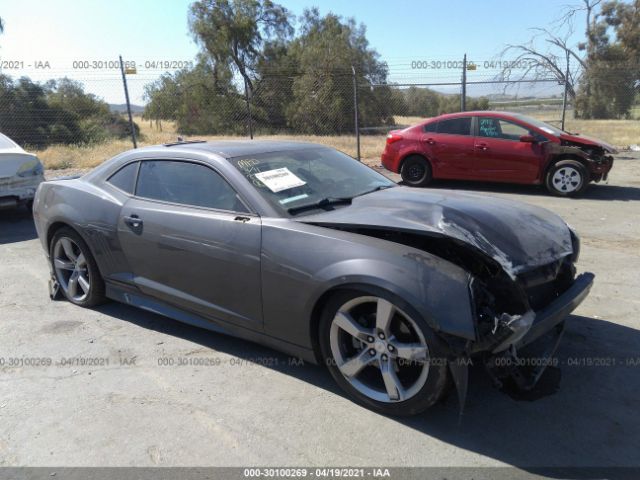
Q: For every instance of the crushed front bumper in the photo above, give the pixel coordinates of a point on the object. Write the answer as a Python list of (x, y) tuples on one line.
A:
[(532, 352), (559, 309), (539, 332)]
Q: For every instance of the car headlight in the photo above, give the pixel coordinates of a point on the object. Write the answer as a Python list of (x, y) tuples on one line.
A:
[(30, 168)]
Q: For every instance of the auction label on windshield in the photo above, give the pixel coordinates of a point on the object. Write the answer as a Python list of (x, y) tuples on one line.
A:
[(279, 179)]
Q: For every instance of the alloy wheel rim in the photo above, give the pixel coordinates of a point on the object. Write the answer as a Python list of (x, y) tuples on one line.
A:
[(379, 349), (415, 172), (566, 179), (71, 269)]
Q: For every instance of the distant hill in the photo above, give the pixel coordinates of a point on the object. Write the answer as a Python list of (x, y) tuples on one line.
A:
[(122, 108)]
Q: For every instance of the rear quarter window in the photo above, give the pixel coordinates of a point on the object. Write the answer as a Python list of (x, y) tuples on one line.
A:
[(125, 178), (430, 127), (455, 126)]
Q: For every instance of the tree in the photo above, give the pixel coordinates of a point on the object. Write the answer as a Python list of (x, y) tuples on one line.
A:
[(199, 100), (58, 111), (233, 32), (600, 74), (611, 74), (304, 84), (326, 50)]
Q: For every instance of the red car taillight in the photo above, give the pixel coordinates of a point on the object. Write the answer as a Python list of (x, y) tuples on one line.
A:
[(393, 138)]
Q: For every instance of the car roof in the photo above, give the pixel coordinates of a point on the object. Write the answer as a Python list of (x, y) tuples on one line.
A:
[(483, 113), (234, 148)]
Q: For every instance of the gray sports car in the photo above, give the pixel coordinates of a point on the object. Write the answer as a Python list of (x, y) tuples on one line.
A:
[(302, 248)]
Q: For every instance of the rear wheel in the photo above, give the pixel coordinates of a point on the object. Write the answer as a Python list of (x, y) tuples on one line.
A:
[(75, 269), (567, 178), (416, 171), (384, 357)]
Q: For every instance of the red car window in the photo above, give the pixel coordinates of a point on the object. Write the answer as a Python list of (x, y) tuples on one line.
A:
[(455, 126)]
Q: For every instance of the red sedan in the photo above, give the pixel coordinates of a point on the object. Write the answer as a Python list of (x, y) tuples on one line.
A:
[(497, 147)]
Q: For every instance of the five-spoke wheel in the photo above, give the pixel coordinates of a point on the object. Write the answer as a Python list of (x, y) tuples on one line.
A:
[(71, 269), (75, 270), (382, 354)]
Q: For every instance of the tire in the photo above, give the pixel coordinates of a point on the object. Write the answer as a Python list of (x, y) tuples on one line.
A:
[(371, 372), (75, 269), (416, 171), (567, 178)]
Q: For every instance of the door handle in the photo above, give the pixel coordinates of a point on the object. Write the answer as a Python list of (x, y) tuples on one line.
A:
[(430, 141), (242, 219), (133, 221), (482, 146)]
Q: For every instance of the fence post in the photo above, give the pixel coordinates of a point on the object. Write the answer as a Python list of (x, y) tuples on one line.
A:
[(566, 90), (126, 96), (355, 111), (246, 98), (463, 97)]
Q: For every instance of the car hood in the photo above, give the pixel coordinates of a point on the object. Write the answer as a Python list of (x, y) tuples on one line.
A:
[(520, 237), (584, 140)]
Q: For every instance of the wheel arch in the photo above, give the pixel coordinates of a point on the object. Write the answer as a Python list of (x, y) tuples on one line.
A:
[(565, 156), (60, 224), (414, 154), (403, 298)]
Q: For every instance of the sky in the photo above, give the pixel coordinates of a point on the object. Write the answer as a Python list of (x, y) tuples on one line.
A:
[(53, 34)]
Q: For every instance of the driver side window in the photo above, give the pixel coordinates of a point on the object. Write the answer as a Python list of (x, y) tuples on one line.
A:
[(186, 183), (503, 129)]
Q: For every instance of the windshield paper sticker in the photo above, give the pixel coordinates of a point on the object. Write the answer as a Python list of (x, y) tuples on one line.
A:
[(279, 179)]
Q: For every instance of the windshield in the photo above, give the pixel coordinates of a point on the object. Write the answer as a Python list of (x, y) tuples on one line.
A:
[(298, 181), (545, 127)]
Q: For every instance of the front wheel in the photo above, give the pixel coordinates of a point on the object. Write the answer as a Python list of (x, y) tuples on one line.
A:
[(416, 171), (384, 357), (567, 178)]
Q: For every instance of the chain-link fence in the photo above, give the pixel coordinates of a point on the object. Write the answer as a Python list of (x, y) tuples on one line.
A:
[(79, 117)]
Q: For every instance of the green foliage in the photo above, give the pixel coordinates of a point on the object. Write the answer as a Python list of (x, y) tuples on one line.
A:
[(611, 79), (232, 32), (58, 111), (199, 101), (303, 85), (424, 102), (322, 95)]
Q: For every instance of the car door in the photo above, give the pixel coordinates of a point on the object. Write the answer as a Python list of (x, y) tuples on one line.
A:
[(499, 155), (449, 144), (192, 242)]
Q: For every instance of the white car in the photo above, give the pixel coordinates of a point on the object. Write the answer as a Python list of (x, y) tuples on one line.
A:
[(20, 174)]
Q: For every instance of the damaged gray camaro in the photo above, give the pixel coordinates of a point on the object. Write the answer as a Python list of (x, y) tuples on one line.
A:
[(301, 248)]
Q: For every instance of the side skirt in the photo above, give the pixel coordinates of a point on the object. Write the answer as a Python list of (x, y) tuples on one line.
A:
[(130, 296)]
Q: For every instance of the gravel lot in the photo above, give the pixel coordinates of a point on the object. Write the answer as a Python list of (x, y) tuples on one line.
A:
[(256, 407)]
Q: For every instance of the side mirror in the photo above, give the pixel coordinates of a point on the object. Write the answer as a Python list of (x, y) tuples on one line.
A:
[(527, 139)]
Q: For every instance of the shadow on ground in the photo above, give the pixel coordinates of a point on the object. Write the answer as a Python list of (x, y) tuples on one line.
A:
[(601, 191), (16, 225), (589, 420)]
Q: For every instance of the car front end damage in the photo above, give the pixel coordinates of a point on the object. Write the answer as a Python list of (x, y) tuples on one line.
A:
[(521, 266), (520, 322), (598, 157)]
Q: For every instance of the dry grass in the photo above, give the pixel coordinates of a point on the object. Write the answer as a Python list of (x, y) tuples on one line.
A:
[(59, 157), (617, 132)]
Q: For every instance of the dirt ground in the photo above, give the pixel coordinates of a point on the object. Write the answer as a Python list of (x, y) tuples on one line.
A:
[(126, 387)]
